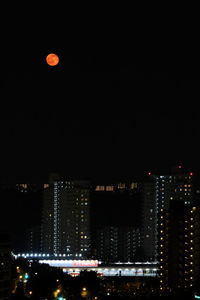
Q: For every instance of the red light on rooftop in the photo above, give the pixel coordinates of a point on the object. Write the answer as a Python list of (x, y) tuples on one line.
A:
[(191, 173), (149, 173), (179, 166)]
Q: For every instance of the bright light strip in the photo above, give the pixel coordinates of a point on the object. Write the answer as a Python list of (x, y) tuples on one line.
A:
[(70, 263), (196, 297)]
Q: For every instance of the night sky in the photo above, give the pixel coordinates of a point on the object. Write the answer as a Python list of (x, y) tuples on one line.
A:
[(122, 101)]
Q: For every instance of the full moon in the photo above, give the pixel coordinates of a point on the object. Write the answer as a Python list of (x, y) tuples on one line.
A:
[(52, 59)]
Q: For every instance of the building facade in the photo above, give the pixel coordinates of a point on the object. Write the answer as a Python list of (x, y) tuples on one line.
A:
[(33, 239), (117, 244), (179, 247), (66, 219), (158, 192), (113, 206), (149, 221)]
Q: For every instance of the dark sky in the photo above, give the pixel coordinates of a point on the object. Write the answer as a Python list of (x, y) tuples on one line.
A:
[(123, 99)]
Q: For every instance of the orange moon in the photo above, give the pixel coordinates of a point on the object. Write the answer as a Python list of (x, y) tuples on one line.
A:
[(52, 59)]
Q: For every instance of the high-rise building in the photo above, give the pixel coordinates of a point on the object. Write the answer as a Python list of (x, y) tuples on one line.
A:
[(33, 239), (149, 220), (114, 205), (117, 243), (158, 192), (66, 218), (179, 247)]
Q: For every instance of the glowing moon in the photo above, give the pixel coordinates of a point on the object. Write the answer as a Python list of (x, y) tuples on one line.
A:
[(52, 59)]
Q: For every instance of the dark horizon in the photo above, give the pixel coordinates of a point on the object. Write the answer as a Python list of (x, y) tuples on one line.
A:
[(109, 177)]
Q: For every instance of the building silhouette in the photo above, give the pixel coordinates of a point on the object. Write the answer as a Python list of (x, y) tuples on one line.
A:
[(115, 208), (158, 193), (66, 219), (117, 244), (179, 246)]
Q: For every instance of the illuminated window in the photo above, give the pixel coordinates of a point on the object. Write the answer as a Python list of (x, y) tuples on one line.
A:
[(100, 188), (133, 185), (109, 188), (121, 186)]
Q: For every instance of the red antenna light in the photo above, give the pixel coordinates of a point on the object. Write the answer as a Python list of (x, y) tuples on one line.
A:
[(191, 173), (179, 166), (149, 173)]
